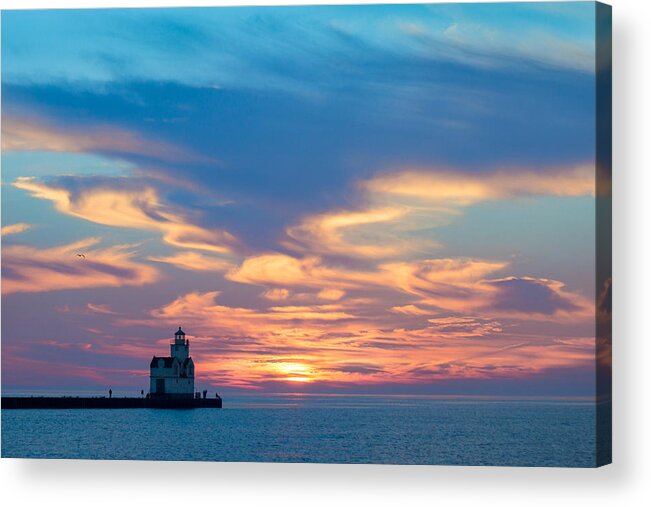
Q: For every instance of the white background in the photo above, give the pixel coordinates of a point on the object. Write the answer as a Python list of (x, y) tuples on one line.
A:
[(626, 482)]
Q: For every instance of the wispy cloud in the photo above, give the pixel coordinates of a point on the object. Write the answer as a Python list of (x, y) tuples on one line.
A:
[(29, 269), (29, 134), (440, 33), (480, 43), (400, 205), (275, 294), (456, 188), (193, 261), (116, 204), (369, 233), (15, 228), (202, 308), (331, 294), (276, 269), (249, 347), (452, 284), (410, 310), (465, 285), (102, 309)]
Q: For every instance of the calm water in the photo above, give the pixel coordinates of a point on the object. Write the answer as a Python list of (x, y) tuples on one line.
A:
[(323, 429)]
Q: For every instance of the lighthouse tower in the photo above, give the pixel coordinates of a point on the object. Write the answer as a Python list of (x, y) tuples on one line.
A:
[(173, 376), (180, 347)]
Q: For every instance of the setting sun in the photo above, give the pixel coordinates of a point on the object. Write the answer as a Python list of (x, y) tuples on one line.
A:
[(295, 372)]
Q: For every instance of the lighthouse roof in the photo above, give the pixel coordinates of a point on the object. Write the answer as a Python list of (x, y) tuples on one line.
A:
[(168, 362), (179, 332)]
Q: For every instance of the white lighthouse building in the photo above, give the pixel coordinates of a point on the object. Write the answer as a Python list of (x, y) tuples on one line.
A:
[(173, 376)]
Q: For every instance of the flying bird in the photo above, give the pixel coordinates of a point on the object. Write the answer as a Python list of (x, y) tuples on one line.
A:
[(81, 255)]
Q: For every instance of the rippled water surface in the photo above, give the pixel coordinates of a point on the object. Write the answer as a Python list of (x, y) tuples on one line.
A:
[(323, 429)]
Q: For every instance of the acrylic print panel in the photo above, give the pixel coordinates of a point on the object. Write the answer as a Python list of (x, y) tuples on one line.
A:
[(334, 234)]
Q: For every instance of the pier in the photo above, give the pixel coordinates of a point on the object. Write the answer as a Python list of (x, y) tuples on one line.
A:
[(68, 402)]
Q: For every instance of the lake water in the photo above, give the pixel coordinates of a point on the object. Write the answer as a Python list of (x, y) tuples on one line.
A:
[(319, 429)]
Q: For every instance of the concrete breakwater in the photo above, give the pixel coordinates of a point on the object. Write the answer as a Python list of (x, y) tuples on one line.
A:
[(67, 402)]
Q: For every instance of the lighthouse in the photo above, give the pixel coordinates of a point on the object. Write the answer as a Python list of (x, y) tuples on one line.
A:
[(173, 376), (171, 385)]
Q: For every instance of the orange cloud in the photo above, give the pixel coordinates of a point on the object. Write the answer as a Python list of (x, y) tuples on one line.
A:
[(275, 322), (366, 233), (276, 269), (275, 294), (28, 269), (331, 294), (462, 189), (135, 209), (455, 284), (25, 134), (14, 229), (193, 261), (279, 294), (410, 310), (421, 275), (247, 347), (416, 277), (202, 305)]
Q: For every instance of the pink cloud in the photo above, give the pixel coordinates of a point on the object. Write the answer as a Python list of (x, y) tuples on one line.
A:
[(30, 134), (29, 269)]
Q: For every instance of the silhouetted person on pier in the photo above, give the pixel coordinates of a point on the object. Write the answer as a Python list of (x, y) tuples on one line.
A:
[(142, 392), (205, 393), (110, 393)]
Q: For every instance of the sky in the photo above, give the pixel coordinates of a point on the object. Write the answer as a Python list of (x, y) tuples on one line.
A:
[(369, 199)]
